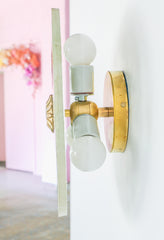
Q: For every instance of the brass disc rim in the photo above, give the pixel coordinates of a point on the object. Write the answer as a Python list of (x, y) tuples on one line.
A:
[(121, 111)]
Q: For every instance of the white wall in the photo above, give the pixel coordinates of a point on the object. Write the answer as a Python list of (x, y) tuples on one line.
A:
[(124, 199)]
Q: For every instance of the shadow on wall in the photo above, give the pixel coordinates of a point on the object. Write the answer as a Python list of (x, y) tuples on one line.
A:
[(132, 168)]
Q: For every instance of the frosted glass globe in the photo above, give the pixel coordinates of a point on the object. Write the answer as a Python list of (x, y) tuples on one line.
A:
[(79, 50), (87, 153)]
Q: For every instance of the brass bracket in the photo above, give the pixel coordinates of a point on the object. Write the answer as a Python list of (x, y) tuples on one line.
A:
[(76, 109), (119, 111), (87, 107)]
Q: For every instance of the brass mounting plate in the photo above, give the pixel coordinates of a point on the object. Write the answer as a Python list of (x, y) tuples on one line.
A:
[(116, 96)]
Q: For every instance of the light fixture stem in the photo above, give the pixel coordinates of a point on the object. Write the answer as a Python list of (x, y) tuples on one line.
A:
[(81, 98), (106, 112), (102, 112)]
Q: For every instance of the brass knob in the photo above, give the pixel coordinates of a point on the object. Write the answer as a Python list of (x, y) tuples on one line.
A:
[(50, 113)]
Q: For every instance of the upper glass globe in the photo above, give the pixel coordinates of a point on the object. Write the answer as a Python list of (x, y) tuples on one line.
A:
[(79, 49)]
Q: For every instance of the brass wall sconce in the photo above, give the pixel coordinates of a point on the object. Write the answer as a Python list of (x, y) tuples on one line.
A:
[(87, 151)]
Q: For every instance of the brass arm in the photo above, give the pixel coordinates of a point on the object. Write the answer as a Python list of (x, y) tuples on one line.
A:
[(87, 107)]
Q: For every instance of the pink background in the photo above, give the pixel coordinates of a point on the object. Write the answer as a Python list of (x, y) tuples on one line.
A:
[(2, 120), (30, 146)]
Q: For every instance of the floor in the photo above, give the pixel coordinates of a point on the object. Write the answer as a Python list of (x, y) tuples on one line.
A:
[(28, 209)]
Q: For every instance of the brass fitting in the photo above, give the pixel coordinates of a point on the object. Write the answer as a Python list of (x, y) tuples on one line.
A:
[(79, 108), (87, 107)]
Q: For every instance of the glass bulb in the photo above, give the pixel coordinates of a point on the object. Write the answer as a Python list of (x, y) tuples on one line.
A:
[(87, 153), (79, 50)]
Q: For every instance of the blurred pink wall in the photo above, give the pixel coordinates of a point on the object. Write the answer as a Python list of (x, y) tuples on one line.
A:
[(2, 120), (29, 143)]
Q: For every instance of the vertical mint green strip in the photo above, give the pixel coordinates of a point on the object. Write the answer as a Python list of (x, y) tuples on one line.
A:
[(59, 113)]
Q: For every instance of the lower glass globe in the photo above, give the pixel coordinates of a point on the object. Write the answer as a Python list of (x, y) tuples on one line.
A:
[(87, 153)]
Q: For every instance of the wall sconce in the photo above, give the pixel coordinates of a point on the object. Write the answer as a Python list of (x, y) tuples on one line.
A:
[(87, 151)]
